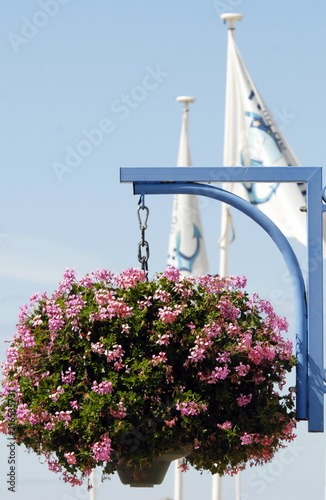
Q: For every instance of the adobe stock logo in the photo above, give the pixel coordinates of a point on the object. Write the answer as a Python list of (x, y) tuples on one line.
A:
[(122, 106), (30, 27)]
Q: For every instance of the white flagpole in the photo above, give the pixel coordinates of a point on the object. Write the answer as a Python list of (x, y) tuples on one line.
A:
[(224, 241), (177, 480), (183, 161), (92, 481), (226, 223), (186, 249), (216, 487)]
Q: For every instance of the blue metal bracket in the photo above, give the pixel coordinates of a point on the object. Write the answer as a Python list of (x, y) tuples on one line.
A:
[(310, 386)]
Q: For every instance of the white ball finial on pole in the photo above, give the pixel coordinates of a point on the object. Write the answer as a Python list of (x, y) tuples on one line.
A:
[(186, 100), (232, 18)]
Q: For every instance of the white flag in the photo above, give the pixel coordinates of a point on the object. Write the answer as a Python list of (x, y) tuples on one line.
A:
[(253, 139), (186, 245)]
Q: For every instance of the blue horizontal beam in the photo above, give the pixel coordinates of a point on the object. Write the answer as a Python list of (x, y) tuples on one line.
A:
[(218, 174)]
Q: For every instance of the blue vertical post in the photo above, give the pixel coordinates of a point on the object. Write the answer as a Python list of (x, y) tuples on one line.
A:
[(315, 303)]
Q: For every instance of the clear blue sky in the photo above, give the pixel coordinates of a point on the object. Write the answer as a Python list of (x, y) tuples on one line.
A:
[(71, 66)]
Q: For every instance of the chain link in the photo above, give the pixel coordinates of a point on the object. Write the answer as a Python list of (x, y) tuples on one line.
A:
[(143, 245)]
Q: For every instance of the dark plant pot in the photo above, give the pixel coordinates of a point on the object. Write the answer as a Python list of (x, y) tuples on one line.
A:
[(149, 475)]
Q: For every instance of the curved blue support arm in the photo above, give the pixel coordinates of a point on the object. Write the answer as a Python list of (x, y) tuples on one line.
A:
[(286, 250)]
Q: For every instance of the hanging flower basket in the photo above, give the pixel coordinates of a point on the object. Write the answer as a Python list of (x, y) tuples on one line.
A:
[(115, 371)]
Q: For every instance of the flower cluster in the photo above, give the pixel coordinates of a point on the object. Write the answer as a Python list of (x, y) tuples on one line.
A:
[(115, 367)]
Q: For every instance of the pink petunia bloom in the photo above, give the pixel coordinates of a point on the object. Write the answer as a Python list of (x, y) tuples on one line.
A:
[(97, 347), (129, 278), (190, 407), (162, 295), (227, 309), (169, 315), (247, 438), (238, 281), (103, 387), (226, 425), (242, 369), (172, 274), (63, 416), (55, 395), (164, 339), (72, 479), (256, 354), (244, 400), (68, 377), (54, 466), (120, 413), (171, 423), (183, 467), (160, 358), (70, 457), (74, 305)]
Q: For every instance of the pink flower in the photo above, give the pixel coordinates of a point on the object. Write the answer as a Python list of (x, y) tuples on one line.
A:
[(131, 277), (49, 426), (26, 335), (190, 407), (183, 467), (55, 316), (219, 373), (256, 354), (223, 357), (104, 297), (37, 320), (54, 466), (227, 309), (98, 347), (74, 305), (247, 438), (169, 315), (120, 413), (125, 328), (162, 295), (244, 400), (160, 358), (22, 413), (172, 274), (245, 342), (63, 416), (238, 281), (102, 388), (116, 353), (242, 369), (70, 457), (55, 395), (68, 377), (102, 449), (225, 425), (171, 423), (164, 339), (72, 479), (147, 302)]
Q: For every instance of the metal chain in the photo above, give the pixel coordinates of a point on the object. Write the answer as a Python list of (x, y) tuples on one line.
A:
[(143, 244)]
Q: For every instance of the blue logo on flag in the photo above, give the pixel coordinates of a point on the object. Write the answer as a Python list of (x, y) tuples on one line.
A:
[(262, 149), (186, 262)]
